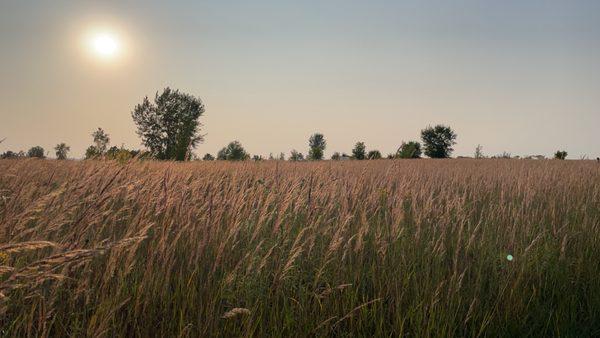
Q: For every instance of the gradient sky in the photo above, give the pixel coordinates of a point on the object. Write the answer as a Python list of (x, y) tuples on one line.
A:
[(517, 76)]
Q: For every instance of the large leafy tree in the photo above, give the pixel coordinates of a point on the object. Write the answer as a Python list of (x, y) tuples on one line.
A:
[(438, 141), (411, 149), (36, 151), (234, 151), (317, 145), (169, 127), (360, 151), (62, 150)]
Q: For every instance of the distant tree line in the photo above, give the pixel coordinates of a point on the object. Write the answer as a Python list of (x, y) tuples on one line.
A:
[(169, 127)]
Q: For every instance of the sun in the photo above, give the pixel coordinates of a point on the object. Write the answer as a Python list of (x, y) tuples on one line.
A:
[(104, 45)]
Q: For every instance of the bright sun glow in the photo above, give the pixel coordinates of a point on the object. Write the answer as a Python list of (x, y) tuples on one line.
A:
[(105, 45)]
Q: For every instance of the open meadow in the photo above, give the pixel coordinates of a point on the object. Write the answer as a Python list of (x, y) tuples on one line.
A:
[(444, 248)]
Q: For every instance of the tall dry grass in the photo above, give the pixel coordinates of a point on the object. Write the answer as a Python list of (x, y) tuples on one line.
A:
[(383, 248)]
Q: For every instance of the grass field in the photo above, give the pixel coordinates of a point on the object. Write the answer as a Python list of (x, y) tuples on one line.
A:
[(358, 248)]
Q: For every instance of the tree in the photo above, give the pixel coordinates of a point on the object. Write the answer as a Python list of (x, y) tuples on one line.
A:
[(359, 151), (479, 152), (112, 152), (91, 152), (258, 158), (222, 154), (411, 149), (296, 156), (208, 157), (233, 152), (317, 145), (281, 157), (336, 156), (100, 146), (374, 155), (36, 151), (169, 127), (560, 155), (61, 151), (101, 141), (438, 141)]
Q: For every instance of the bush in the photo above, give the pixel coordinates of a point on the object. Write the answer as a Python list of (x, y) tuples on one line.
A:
[(37, 152), (411, 149), (560, 155), (374, 155), (234, 151), (296, 156)]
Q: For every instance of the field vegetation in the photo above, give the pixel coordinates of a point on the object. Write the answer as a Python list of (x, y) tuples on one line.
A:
[(446, 248)]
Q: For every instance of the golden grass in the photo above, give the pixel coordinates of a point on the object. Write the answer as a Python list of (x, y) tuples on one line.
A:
[(402, 247)]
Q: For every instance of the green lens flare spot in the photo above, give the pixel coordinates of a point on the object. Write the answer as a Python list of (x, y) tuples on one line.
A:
[(509, 258)]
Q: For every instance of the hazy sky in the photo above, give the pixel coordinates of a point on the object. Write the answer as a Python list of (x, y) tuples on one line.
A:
[(517, 76)]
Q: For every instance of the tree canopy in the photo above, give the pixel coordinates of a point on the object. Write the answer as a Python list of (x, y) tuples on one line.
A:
[(374, 155), (62, 149), (169, 127), (410, 149), (560, 155), (360, 151), (296, 156), (36, 151), (234, 151), (438, 141), (317, 145)]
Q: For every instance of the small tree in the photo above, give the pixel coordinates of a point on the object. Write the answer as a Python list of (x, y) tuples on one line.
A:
[(37, 152), (296, 156), (479, 152), (438, 141), (317, 145), (208, 157), (336, 156), (411, 149), (359, 151), (281, 157), (101, 141), (374, 155), (91, 152), (169, 127), (560, 155), (233, 152), (62, 150)]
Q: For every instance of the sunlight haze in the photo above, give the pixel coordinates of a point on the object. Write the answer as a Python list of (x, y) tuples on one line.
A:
[(515, 76)]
